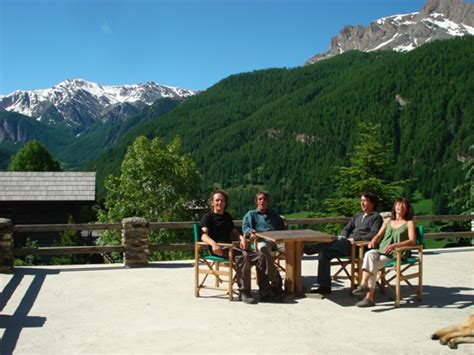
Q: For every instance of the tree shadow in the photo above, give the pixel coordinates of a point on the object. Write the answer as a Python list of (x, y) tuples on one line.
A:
[(342, 297), (434, 297), (14, 324), (20, 319)]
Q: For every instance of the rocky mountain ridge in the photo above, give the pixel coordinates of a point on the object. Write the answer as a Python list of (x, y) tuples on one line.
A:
[(438, 20), (78, 103)]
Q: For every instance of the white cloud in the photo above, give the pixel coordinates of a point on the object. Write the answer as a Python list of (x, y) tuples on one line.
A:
[(105, 27)]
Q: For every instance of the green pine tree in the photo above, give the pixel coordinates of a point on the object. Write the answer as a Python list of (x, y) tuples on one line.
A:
[(34, 157), (369, 165)]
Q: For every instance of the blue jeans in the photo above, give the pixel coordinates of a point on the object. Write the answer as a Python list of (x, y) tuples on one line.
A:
[(326, 252)]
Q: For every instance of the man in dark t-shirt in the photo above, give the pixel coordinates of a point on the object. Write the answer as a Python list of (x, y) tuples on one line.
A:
[(217, 226), (220, 226)]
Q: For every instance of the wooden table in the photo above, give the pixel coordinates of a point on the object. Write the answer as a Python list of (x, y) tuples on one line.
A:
[(293, 240)]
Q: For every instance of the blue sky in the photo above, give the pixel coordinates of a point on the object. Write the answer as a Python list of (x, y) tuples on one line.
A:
[(187, 43)]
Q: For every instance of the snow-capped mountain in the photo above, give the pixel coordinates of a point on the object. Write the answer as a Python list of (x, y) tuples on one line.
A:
[(438, 20), (78, 103)]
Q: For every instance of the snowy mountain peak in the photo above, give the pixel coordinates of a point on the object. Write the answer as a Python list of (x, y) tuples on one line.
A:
[(438, 20), (78, 102)]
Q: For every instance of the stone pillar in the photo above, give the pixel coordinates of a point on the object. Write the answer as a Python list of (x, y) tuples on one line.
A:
[(6, 246), (135, 233), (472, 226)]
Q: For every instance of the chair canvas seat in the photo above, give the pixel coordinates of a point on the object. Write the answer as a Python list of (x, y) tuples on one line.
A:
[(410, 260), (219, 259)]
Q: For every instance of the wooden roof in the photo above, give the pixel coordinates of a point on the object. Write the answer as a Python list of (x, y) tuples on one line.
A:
[(47, 186)]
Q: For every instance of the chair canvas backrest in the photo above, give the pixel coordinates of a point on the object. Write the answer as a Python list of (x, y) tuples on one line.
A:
[(196, 232), (420, 230)]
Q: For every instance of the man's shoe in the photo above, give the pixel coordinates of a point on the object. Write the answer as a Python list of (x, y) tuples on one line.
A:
[(361, 290), (310, 249), (277, 288), (247, 298), (321, 290), (365, 303), (272, 298)]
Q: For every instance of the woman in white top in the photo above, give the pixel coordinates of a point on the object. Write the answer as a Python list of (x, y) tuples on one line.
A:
[(397, 231)]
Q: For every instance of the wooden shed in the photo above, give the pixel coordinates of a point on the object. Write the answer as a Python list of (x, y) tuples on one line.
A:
[(45, 197)]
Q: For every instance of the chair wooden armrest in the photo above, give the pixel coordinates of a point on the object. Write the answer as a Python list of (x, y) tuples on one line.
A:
[(360, 243), (200, 245), (226, 245), (419, 247)]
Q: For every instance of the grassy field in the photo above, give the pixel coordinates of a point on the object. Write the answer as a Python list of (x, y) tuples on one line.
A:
[(301, 214), (422, 206)]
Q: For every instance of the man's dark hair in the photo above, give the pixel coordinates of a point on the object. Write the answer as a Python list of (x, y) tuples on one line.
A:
[(371, 197), (218, 191)]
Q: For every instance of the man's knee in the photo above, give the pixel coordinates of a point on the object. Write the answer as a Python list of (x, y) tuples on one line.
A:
[(265, 248), (241, 260), (260, 260)]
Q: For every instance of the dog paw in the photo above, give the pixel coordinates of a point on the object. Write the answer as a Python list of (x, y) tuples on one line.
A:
[(452, 345), (434, 336)]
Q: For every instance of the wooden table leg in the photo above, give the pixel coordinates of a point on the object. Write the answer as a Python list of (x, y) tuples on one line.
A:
[(290, 267), (297, 269)]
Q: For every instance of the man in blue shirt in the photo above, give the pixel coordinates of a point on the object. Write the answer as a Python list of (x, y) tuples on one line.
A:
[(264, 219)]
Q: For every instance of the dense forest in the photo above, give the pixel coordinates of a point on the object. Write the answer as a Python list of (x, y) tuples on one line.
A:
[(288, 130)]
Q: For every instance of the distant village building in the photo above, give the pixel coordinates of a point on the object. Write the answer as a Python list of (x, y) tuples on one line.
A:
[(45, 197)]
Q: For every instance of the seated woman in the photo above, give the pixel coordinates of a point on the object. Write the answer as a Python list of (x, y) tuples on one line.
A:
[(397, 231)]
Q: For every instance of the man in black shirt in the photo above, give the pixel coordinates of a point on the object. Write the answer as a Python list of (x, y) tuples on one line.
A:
[(363, 226), (217, 226)]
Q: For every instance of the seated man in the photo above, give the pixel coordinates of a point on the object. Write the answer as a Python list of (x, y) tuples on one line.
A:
[(264, 219), (218, 227), (363, 226)]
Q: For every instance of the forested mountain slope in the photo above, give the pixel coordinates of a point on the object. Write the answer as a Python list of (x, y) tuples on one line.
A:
[(91, 143), (17, 129), (287, 130)]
